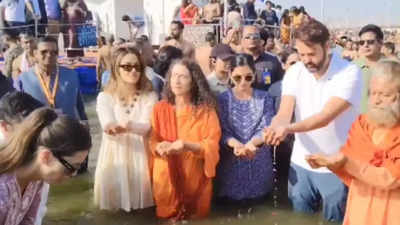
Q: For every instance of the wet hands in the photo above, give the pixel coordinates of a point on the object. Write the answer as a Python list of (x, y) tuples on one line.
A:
[(274, 135), (115, 129), (332, 162), (245, 151), (166, 148)]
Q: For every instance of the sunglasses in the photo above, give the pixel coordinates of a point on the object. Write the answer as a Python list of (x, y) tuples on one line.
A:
[(252, 37), (129, 68), (45, 52), (238, 79), (70, 168), (369, 42)]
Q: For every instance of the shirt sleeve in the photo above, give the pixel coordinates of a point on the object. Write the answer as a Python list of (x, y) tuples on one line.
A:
[(210, 144), (268, 113), (379, 177), (105, 109), (224, 114), (349, 86), (290, 81)]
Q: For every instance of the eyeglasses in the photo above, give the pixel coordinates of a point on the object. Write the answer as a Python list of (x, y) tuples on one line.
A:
[(238, 78), (70, 168), (369, 42), (252, 37), (51, 52), (129, 68)]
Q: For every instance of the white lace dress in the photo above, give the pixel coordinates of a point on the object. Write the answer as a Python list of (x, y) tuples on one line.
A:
[(122, 178)]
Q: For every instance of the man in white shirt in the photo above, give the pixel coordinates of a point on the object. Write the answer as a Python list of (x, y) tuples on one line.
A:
[(324, 93), (12, 13)]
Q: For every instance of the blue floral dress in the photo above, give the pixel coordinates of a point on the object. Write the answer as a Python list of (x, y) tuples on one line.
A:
[(238, 178)]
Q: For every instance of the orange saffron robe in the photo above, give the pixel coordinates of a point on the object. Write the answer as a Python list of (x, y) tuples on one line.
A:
[(372, 174), (184, 180)]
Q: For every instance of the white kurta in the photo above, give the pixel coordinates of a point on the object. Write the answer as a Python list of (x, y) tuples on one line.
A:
[(122, 179)]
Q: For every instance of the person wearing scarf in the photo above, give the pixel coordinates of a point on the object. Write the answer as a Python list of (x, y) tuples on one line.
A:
[(369, 162), (184, 144)]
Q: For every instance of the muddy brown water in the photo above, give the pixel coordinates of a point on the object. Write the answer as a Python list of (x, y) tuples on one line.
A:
[(72, 202)]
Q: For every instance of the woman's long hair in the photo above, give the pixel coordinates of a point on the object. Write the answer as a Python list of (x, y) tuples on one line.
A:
[(200, 91), (144, 84), (61, 134)]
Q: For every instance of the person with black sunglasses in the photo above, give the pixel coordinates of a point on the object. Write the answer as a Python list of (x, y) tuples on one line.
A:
[(370, 45), (45, 147), (268, 67), (245, 169), (122, 179)]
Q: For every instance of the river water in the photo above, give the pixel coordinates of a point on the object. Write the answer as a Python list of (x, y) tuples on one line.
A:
[(72, 202)]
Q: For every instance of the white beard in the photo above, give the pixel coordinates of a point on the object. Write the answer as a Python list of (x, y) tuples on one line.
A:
[(387, 117)]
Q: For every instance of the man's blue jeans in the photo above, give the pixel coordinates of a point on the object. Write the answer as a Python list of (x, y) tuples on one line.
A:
[(308, 190)]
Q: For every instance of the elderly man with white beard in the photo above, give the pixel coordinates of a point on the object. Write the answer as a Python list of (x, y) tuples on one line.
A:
[(369, 163)]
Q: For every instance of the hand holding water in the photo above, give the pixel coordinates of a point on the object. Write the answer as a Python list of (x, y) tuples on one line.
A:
[(332, 162), (274, 135), (250, 150), (162, 148), (114, 129)]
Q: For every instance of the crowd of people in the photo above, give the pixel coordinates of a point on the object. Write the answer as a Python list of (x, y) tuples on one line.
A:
[(52, 17), (183, 126)]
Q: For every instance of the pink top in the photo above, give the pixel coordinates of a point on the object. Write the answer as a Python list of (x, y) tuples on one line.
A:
[(14, 208)]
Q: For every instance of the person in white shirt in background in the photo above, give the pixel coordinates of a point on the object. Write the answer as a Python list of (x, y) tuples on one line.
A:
[(324, 93), (220, 58), (14, 107), (12, 13)]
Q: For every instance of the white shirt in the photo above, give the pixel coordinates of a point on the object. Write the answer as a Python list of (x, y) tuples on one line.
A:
[(14, 10), (342, 80)]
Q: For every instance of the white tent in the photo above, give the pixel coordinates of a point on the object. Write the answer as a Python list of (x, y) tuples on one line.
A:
[(108, 14), (157, 14)]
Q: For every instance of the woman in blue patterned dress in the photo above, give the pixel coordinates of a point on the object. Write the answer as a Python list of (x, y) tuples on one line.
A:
[(245, 168)]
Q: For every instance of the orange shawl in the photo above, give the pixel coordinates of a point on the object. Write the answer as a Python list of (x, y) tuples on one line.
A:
[(359, 146), (165, 122)]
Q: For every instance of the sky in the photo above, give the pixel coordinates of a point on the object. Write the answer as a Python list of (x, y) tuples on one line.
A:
[(350, 13)]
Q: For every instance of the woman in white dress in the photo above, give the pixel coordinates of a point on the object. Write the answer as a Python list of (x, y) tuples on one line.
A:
[(122, 179)]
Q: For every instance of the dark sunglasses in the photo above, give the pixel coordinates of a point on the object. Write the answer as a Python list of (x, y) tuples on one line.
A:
[(252, 37), (129, 68), (238, 79), (70, 168), (45, 52), (369, 42)]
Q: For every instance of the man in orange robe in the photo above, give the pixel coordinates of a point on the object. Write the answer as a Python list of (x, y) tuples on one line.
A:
[(369, 163), (182, 182)]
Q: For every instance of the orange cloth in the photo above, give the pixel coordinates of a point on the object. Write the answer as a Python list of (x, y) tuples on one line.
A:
[(298, 20), (182, 184), (285, 31), (373, 176)]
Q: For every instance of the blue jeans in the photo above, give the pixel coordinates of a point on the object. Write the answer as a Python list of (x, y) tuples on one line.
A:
[(307, 189)]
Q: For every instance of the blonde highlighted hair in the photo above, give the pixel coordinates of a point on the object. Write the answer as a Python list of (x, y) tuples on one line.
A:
[(144, 83)]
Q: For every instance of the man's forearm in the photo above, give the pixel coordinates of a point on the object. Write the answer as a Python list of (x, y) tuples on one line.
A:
[(312, 123)]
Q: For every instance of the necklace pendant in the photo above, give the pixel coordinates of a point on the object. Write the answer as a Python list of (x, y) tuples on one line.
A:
[(128, 111), (132, 105)]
